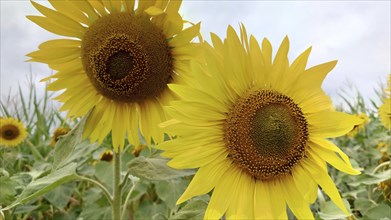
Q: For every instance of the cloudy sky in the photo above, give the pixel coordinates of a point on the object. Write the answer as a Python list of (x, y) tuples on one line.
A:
[(356, 33)]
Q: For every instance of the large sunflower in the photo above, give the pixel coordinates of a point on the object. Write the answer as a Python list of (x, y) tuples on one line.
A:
[(12, 132), (116, 61), (385, 108), (256, 128)]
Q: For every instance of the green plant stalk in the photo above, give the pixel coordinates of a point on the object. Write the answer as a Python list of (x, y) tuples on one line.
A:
[(370, 187), (34, 151), (98, 184), (116, 206), (134, 183)]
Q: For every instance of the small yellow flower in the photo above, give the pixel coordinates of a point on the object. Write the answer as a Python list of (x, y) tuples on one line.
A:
[(57, 134), (12, 132), (106, 155), (383, 148), (385, 108), (360, 127), (136, 151), (385, 186)]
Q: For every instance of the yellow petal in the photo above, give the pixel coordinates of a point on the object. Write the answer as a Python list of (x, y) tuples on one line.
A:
[(192, 94), (142, 5), (55, 27), (185, 36), (306, 186), (59, 18), (329, 124), (86, 7), (267, 53), (328, 145), (60, 43), (296, 203), (154, 11), (205, 179), (133, 136), (220, 199), (332, 159), (314, 76), (278, 207), (71, 11), (199, 157), (263, 202), (242, 207), (99, 7), (116, 6), (298, 66), (130, 5), (321, 176), (119, 127)]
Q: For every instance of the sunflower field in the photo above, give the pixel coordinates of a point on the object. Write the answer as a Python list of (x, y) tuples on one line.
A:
[(151, 121)]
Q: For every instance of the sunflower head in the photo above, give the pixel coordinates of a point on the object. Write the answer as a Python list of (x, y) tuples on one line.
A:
[(117, 60), (60, 131), (385, 109), (12, 132), (256, 127), (106, 155), (360, 127)]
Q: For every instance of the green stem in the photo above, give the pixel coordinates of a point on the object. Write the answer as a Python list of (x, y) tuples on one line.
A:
[(380, 166), (34, 151), (134, 183), (98, 184), (116, 186), (370, 187)]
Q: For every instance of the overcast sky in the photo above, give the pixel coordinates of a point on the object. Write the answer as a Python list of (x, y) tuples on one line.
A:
[(357, 33)]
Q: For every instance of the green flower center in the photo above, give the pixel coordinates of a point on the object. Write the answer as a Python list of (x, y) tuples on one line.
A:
[(126, 57), (266, 134)]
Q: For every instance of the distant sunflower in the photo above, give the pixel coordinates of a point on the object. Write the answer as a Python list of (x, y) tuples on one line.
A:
[(360, 127), (60, 131), (385, 108), (106, 155), (12, 132), (256, 128), (117, 61)]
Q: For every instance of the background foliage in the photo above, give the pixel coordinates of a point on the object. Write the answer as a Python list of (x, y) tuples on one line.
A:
[(40, 181)]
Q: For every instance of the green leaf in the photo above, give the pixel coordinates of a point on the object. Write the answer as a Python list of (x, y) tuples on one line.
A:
[(45, 184), (66, 145), (369, 179), (193, 210), (94, 211), (381, 211), (331, 211), (169, 191), (7, 189), (104, 173), (155, 169), (151, 210), (61, 195), (362, 205)]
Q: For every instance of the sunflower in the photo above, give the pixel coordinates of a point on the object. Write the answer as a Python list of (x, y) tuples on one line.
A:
[(360, 127), (60, 131), (12, 132), (106, 155), (385, 108), (117, 60), (256, 128)]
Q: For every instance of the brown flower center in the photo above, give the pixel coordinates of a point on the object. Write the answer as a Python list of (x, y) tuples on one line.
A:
[(126, 57), (266, 134), (9, 132)]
